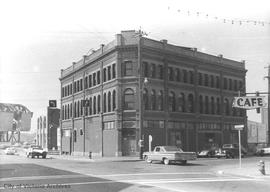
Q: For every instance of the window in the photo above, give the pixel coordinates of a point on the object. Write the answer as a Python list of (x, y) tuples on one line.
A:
[(191, 77), (230, 84), (206, 105), (145, 67), (114, 100), (99, 104), (109, 73), (104, 103), (128, 68), (178, 76), (98, 77), (212, 105), (153, 70), (170, 73), (90, 80), (217, 82), (75, 88), (129, 100), (172, 101), (206, 81), (95, 105), (75, 109), (104, 74), (81, 132), (86, 82), (200, 79), (81, 107), (181, 102), (190, 103), (90, 106), (185, 78), (218, 106), (109, 102), (226, 107), (212, 82), (145, 99), (201, 104), (160, 71), (153, 100), (225, 85), (113, 71), (81, 84), (160, 101), (94, 79), (71, 112)]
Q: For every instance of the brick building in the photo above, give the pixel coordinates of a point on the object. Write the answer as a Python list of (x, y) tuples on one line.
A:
[(107, 106)]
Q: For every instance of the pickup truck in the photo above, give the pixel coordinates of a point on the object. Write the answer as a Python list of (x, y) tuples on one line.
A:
[(168, 154)]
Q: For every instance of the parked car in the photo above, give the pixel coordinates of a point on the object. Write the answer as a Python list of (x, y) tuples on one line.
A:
[(231, 151), (168, 154), (211, 152), (10, 151), (36, 151), (262, 150)]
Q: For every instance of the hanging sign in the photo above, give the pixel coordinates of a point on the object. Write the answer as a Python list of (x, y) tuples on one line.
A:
[(250, 102)]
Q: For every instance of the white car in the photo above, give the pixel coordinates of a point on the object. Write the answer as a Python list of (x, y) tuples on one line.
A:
[(36, 151), (10, 151)]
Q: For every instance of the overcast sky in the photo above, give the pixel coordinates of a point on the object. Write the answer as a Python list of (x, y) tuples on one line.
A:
[(39, 38)]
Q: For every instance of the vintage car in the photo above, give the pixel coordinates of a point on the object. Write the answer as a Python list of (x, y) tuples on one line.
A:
[(10, 151), (207, 153), (168, 154), (262, 150), (36, 151), (230, 151)]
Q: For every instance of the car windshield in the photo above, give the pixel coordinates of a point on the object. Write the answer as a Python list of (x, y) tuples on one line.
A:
[(37, 147), (172, 148)]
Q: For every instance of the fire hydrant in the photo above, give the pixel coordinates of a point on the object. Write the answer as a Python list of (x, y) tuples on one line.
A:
[(262, 167)]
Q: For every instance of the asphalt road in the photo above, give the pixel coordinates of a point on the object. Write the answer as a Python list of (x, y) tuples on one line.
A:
[(18, 173)]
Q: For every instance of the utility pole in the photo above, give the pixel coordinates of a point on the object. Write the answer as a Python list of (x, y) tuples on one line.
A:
[(268, 111)]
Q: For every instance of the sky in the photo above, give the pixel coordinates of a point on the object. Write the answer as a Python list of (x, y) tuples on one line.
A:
[(39, 38)]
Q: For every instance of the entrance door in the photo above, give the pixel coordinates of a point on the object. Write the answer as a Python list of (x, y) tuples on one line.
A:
[(128, 142), (175, 139)]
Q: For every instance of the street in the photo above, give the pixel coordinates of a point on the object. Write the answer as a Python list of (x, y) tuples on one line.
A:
[(19, 173)]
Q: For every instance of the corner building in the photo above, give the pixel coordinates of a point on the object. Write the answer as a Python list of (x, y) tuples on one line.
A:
[(107, 105)]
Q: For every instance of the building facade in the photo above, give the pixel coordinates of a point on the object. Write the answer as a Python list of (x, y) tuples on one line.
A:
[(135, 87), (47, 134)]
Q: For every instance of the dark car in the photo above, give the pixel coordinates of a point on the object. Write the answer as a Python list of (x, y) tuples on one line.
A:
[(231, 151), (262, 149)]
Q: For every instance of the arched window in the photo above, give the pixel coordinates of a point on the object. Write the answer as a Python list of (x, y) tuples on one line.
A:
[(160, 101), (95, 105), (99, 104), (114, 100), (129, 100), (153, 100), (212, 105), (190, 103), (145, 99), (109, 102), (104, 103), (181, 102), (206, 105), (172, 101), (201, 104)]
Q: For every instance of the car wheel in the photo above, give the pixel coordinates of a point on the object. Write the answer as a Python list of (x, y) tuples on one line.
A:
[(147, 159), (32, 156), (166, 161)]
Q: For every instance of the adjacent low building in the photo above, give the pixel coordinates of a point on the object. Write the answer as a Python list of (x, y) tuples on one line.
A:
[(136, 87), (48, 131)]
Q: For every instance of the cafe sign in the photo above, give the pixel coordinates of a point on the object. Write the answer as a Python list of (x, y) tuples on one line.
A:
[(249, 102)]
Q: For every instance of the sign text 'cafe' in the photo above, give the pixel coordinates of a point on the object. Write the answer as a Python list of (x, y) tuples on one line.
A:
[(250, 102)]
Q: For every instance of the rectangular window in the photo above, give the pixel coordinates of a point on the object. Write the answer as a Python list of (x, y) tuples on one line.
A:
[(94, 79), (160, 71), (170, 73), (90, 80), (109, 73), (98, 77), (128, 68), (113, 71)]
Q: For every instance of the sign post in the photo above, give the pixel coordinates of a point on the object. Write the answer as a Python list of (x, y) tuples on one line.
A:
[(239, 128)]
